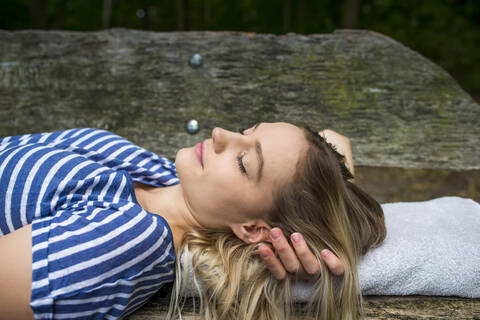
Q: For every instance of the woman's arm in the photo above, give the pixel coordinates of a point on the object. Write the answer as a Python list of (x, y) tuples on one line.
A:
[(16, 274), (342, 144)]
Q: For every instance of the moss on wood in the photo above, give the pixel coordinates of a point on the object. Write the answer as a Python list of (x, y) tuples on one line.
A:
[(398, 108)]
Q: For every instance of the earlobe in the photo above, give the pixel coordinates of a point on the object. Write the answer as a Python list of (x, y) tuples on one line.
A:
[(252, 232)]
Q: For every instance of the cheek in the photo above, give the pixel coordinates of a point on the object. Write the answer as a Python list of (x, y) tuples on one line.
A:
[(221, 187), (224, 191)]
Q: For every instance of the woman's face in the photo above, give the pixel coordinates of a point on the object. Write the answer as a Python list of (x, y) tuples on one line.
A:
[(229, 179)]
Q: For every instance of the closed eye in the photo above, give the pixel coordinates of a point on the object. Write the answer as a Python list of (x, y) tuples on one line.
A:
[(240, 164), (240, 157)]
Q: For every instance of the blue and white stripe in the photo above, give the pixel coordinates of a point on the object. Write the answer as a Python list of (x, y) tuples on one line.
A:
[(96, 253)]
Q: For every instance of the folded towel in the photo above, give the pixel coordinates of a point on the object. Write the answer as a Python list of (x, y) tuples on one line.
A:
[(432, 248)]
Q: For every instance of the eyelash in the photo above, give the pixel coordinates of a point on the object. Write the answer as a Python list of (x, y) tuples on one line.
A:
[(240, 164), (240, 157)]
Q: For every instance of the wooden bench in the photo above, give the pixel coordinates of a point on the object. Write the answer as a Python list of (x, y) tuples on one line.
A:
[(398, 108)]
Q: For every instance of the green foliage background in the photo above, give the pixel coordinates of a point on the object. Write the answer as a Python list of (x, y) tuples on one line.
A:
[(445, 31)]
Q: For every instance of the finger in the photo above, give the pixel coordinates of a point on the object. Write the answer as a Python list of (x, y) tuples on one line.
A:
[(333, 262), (272, 263), (307, 258), (285, 252)]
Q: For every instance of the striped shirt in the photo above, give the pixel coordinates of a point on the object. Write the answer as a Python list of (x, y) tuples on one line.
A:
[(96, 253)]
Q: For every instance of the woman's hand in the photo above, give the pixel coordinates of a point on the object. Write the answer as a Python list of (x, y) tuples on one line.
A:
[(298, 260)]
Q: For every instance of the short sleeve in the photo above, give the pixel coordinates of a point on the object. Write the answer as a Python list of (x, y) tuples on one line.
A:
[(98, 261)]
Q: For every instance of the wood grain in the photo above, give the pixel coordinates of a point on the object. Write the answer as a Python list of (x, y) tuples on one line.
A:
[(375, 307), (398, 108)]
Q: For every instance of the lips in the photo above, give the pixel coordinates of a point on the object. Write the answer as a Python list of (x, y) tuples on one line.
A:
[(199, 152)]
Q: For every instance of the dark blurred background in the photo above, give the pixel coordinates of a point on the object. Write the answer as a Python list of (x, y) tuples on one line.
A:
[(445, 31)]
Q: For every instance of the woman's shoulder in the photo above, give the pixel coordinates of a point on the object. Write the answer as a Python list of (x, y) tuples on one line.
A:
[(51, 137), (103, 147), (108, 243)]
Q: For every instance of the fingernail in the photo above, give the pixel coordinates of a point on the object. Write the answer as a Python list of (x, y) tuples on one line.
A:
[(325, 253), (296, 237), (275, 234)]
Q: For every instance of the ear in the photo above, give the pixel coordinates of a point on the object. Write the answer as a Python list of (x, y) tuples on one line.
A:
[(253, 231)]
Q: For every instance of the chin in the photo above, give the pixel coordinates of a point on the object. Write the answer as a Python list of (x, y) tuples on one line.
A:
[(184, 162), (180, 160)]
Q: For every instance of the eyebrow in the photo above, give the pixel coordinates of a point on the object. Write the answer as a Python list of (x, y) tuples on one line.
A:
[(258, 149)]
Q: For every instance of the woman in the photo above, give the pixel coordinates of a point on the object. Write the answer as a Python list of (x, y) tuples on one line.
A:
[(100, 241)]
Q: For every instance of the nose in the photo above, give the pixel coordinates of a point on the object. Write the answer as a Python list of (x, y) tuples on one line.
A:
[(223, 138)]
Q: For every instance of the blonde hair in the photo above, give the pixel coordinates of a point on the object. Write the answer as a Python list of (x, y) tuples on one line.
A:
[(329, 211)]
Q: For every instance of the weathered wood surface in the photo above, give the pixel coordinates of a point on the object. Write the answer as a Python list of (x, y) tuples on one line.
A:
[(398, 108), (376, 307), (388, 185)]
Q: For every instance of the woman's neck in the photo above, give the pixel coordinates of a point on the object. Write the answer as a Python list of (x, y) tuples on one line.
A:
[(169, 203)]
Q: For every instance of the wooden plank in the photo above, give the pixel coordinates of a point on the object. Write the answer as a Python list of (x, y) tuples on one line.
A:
[(375, 307), (417, 184), (398, 108)]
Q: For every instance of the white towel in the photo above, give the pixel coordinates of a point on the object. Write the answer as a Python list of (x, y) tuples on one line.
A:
[(432, 248)]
